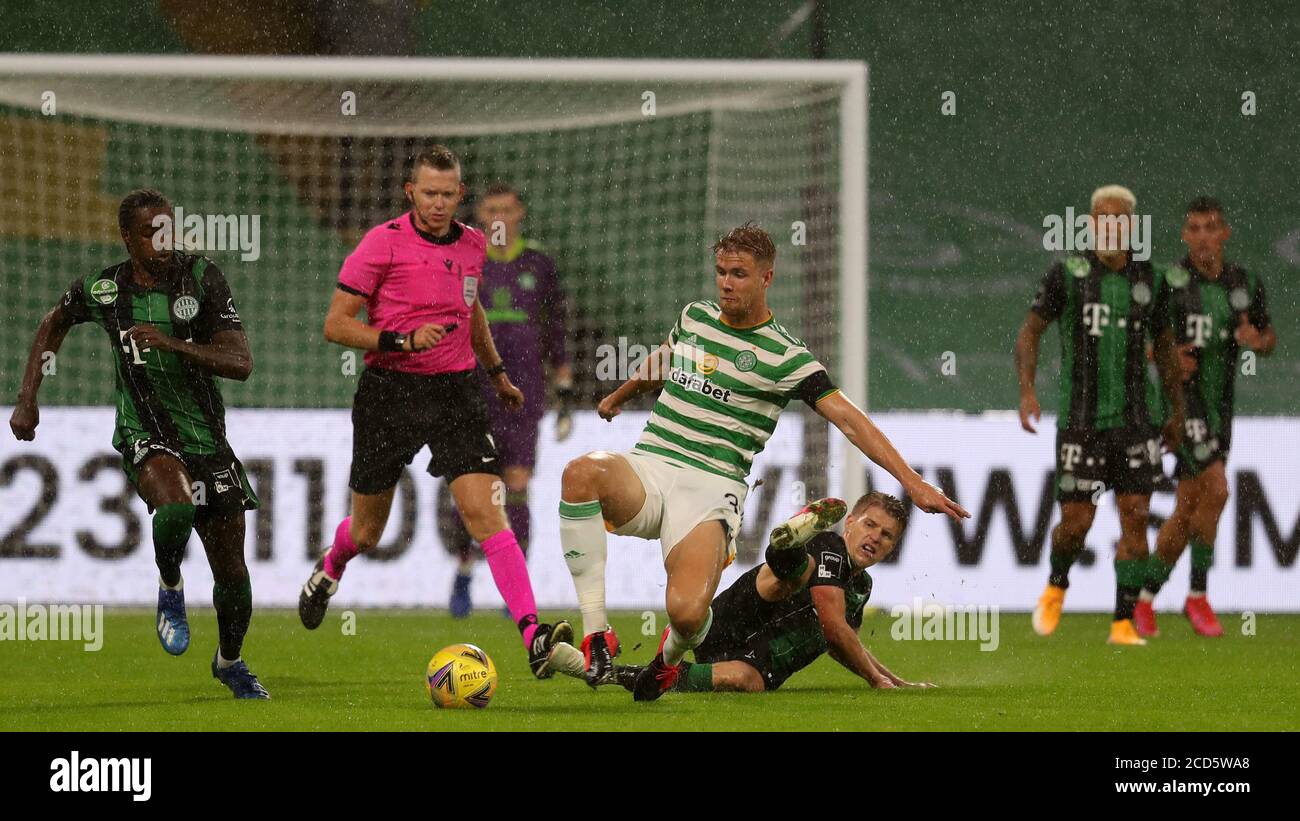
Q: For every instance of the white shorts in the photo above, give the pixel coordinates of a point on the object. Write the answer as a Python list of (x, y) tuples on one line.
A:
[(677, 498)]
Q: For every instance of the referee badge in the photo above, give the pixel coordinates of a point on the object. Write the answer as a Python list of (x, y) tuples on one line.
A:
[(746, 360), (469, 290)]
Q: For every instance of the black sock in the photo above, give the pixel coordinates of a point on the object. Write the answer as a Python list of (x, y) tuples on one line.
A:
[(1060, 564), (786, 564), (234, 604), (1125, 600)]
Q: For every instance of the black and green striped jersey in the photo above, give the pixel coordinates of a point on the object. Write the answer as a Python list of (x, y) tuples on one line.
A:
[(1205, 312), (796, 635), (725, 390), (1106, 318), (159, 393)]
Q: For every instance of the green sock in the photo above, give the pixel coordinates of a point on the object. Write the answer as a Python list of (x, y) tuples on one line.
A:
[(1158, 571), (171, 532), (698, 678), (1128, 583), (1202, 558), (234, 604)]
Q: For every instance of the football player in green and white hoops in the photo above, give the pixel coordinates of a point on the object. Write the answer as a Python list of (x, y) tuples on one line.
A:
[(727, 371)]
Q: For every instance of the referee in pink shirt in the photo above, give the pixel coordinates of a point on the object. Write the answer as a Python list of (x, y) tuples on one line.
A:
[(417, 276)]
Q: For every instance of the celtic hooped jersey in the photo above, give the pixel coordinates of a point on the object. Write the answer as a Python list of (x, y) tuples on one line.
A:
[(1106, 318), (1205, 312), (725, 389), (159, 393)]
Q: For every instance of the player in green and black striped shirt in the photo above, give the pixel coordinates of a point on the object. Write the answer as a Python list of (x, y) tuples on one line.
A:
[(1216, 308), (1108, 305), (172, 328)]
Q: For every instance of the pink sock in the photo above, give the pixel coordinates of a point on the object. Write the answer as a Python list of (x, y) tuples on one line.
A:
[(510, 572), (338, 556)]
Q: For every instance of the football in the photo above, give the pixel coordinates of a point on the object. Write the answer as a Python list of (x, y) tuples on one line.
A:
[(461, 676)]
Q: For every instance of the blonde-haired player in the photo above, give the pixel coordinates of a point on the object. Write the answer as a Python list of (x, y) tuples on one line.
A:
[(727, 371)]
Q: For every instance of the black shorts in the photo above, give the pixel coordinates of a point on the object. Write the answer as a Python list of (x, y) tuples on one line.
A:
[(218, 481), (1200, 449), (740, 630), (1089, 462), (395, 414)]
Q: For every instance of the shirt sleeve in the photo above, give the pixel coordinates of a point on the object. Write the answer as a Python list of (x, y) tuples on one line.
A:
[(1257, 313), (815, 387), (365, 267), (830, 557), (798, 368), (676, 332), (74, 304), (555, 316), (1049, 302), (217, 309)]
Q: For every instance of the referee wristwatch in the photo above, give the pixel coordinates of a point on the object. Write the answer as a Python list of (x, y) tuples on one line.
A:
[(497, 369)]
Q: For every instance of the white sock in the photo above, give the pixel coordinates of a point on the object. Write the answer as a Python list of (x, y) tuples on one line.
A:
[(582, 538), (180, 584), (223, 664), (675, 646), (465, 566), (1146, 595)]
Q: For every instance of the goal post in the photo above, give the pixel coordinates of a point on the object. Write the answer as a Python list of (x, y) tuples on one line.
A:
[(629, 169)]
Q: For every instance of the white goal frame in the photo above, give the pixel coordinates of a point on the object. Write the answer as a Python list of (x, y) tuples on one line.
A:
[(850, 77)]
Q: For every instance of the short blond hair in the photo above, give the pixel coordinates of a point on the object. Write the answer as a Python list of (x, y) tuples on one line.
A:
[(1113, 192)]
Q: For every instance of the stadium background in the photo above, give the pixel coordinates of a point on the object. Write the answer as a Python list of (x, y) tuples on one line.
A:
[(956, 203)]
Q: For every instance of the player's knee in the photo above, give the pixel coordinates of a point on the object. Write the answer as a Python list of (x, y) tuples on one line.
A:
[(581, 477), (1214, 496), (1074, 527), (687, 617), (1133, 514)]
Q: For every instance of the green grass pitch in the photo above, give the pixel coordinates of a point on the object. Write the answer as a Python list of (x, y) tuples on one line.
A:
[(373, 681)]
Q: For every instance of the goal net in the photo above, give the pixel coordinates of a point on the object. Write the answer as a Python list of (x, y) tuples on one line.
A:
[(629, 170)]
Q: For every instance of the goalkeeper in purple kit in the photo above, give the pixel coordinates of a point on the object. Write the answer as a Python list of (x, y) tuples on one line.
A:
[(526, 311)]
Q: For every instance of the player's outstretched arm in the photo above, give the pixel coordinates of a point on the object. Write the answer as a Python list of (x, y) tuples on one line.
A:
[(837, 409), (49, 338), (649, 376), (1027, 344), (1171, 380), (844, 645)]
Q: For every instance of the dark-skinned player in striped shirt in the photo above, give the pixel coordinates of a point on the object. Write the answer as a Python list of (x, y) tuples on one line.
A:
[(1109, 305), (172, 326)]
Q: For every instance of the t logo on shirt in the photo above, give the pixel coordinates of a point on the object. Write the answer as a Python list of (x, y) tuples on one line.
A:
[(1198, 328)]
